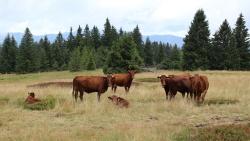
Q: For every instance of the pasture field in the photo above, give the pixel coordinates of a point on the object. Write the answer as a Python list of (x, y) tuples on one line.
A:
[(149, 118)]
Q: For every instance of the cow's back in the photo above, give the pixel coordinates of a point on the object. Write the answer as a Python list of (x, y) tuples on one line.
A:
[(121, 79), (93, 84)]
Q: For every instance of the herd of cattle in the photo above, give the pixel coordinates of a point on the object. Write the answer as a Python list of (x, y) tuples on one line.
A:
[(194, 86)]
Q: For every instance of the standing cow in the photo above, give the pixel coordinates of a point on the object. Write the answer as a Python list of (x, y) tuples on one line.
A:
[(174, 83), (199, 85), (91, 84), (123, 80)]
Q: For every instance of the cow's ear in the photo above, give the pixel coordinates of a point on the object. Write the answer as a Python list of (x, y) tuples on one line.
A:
[(110, 98), (159, 76)]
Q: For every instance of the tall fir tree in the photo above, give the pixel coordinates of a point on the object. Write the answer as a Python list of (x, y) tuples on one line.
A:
[(148, 53), (79, 37), (196, 43), (220, 43), (107, 34), (71, 41), (242, 43), (8, 55), (27, 60), (160, 54), (87, 36), (137, 36), (75, 60), (95, 38)]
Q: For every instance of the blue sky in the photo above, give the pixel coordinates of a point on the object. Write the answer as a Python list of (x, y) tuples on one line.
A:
[(152, 16)]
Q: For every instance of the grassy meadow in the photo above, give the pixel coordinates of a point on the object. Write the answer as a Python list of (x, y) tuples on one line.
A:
[(149, 118)]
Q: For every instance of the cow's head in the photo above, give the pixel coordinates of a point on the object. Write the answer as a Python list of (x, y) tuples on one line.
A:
[(32, 94), (113, 98), (163, 79), (111, 79), (132, 73)]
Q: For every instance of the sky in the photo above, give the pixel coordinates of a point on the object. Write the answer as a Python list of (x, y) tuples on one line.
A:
[(152, 16)]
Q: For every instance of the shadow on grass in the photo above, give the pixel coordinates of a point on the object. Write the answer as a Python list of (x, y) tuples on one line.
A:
[(216, 133), (219, 101), (4, 101), (45, 104)]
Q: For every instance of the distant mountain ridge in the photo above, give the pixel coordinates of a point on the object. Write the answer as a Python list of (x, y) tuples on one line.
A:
[(159, 38)]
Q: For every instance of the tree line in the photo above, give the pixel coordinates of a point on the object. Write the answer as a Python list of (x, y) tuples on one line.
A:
[(118, 51), (88, 49)]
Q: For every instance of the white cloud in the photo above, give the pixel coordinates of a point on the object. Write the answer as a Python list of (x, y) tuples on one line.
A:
[(153, 16)]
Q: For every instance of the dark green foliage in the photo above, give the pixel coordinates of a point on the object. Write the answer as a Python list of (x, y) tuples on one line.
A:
[(160, 54), (106, 37), (79, 37), (223, 54), (95, 38), (60, 53), (196, 43), (87, 36), (88, 59), (137, 37), (8, 55), (75, 60), (27, 60), (71, 41), (123, 57), (148, 53), (101, 56), (242, 43)]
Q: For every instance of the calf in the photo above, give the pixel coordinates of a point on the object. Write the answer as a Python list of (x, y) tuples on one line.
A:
[(31, 98), (120, 102)]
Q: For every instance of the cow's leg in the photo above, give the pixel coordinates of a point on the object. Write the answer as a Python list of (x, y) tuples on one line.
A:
[(126, 89), (81, 95), (115, 87), (183, 94), (98, 96), (76, 95)]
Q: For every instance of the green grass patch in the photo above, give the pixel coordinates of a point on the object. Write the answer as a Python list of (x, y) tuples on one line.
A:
[(45, 104), (221, 101), (147, 80), (216, 133)]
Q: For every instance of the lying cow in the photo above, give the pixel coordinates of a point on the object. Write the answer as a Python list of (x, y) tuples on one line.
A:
[(173, 83), (31, 98), (120, 102), (90, 84), (123, 80)]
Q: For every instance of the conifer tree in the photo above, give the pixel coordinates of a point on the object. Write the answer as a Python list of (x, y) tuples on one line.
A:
[(75, 60), (138, 40), (107, 34), (242, 42), (71, 41), (87, 37), (95, 38), (8, 55), (79, 37), (148, 52), (27, 60), (196, 43)]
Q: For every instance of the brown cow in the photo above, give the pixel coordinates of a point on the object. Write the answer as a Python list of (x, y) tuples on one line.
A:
[(172, 84), (123, 80), (90, 84), (199, 85), (31, 98), (120, 102)]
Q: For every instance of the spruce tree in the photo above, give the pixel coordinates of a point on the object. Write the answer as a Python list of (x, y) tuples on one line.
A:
[(107, 34), (138, 40), (160, 54), (220, 43), (196, 43), (79, 37), (71, 41), (101, 56), (87, 37), (148, 52), (60, 53), (8, 55), (75, 60), (27, 60), (242, 42), (95, 38)]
